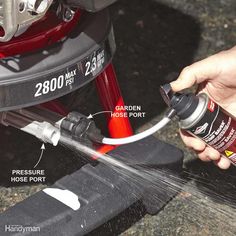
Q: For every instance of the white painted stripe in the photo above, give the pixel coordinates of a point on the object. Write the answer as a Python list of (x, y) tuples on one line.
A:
[(64, 196)]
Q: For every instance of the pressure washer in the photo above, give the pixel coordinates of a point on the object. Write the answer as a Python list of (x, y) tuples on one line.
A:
[(51, 48)]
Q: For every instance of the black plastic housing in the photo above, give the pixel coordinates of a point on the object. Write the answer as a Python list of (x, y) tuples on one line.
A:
[(102, 192)]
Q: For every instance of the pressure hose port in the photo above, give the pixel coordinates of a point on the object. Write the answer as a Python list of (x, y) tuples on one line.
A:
[(50, 127), (31, 121)]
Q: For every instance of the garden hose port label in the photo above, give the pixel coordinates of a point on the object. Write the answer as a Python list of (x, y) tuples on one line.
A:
[(130, 111)]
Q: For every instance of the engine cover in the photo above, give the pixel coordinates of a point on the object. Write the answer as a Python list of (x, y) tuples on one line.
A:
[(59, 69), (17, 15)]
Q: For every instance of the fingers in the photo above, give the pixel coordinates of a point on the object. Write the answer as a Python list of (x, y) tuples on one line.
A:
[(209, 154), (192, 142), (205, 153), (197, 73), (223, 163)]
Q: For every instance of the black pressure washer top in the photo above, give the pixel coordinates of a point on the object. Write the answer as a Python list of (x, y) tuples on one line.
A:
[(59, 69)]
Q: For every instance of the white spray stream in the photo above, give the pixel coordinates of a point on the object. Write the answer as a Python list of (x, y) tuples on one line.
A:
[(164, 181)]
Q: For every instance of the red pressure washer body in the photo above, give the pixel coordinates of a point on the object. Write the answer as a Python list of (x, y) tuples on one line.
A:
[(67, 48), (55, 57)]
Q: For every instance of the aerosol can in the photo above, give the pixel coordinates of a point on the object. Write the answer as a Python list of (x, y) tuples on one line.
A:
[(203, 118)]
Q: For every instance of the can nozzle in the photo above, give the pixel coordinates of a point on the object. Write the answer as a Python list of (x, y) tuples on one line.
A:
[(166, 93), (181, 104)]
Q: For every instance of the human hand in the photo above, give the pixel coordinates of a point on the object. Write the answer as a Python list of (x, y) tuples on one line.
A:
[(216, 76)]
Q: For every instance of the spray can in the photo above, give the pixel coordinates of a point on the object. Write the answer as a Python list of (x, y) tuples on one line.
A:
[(203, 118)]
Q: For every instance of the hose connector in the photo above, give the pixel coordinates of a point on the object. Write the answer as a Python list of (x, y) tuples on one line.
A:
[(81, 128), (50, 134), (43, 131)]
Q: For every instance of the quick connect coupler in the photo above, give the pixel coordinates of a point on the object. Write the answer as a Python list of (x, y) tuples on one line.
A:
[(80, 128)]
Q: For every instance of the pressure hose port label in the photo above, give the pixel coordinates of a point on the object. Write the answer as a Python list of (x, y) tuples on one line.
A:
[(28, 176)]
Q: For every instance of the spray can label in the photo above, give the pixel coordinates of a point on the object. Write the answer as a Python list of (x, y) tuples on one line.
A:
[(218, 130)]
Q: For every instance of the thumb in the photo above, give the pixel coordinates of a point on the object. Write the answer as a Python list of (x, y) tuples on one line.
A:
[(185, 80), (197, 73)]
